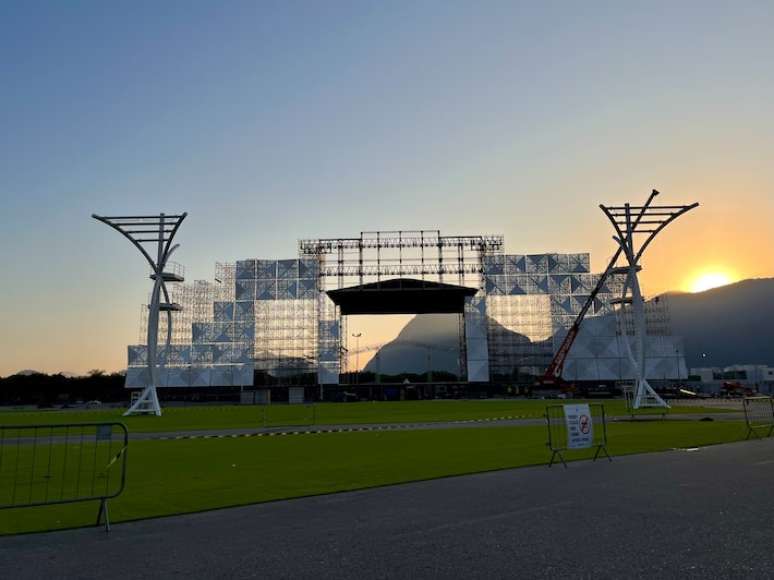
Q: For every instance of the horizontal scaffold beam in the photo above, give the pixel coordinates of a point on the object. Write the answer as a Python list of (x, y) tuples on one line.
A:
[(329, 246), (400, 269)]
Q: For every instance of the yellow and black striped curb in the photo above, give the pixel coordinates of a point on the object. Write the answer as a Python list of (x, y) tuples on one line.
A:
[(358, 429)]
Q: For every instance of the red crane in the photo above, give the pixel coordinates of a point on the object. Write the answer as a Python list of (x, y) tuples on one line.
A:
[(553, 374)]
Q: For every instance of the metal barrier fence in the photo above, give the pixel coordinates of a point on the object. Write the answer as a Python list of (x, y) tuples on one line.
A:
[(571, 429), (66, 463), (759, 415)]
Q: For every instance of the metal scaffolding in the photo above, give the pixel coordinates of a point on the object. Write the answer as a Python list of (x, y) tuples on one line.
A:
[(379, 255), (532, 300), (272, 322)]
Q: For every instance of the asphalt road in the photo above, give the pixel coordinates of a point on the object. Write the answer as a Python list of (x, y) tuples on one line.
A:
[(679, 514)]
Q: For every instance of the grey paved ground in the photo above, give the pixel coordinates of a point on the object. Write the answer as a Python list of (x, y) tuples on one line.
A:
[(678, 514)]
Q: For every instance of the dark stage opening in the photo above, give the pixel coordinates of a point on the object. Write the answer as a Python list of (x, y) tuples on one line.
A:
[(421, 353)]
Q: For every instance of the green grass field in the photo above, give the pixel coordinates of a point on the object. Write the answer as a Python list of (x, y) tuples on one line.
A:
[(170, 477), (244, 416)]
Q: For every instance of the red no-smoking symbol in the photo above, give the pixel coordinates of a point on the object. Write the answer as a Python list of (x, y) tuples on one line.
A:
[(584, 424)]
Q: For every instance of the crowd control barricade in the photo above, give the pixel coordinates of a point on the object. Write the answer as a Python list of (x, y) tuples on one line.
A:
[(66, 463), (759, 415), (574, 427)]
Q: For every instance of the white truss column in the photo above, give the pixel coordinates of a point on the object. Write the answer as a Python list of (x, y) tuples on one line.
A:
[(158, 230), (630, 221)]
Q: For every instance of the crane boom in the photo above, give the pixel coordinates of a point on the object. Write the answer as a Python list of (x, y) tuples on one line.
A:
[(554, 371)]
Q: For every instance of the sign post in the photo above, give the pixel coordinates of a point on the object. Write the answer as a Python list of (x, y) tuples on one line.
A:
[(572, 427), (580, 427)]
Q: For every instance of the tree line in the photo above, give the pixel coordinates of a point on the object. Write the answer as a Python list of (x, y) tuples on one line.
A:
[(48, 390)]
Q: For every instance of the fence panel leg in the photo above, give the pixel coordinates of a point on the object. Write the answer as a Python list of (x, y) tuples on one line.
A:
[(603, 448), (103, 510), (554, 455)]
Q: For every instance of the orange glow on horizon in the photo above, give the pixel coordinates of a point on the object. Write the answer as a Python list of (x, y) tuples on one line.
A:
[(710, 279)]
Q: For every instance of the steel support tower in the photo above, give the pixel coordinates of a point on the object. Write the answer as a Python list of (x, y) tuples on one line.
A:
[(630, 221), (159, 231)]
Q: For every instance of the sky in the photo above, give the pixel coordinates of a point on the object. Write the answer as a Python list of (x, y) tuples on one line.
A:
[(274, 121)]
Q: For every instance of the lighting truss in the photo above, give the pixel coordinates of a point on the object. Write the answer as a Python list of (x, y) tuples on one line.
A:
[(400, 253), (400, 239), (629, 222), (152, 234)]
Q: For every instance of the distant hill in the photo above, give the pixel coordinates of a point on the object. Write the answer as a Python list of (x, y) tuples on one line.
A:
[(730, 325), (408, 352), (30, 372), (433, 335)]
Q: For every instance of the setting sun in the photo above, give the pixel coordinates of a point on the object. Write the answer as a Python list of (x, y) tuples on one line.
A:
[(710, 280)]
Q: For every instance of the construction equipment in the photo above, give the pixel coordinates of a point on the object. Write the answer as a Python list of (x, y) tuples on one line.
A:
[(735, 389), (552, 378), (553, 375)]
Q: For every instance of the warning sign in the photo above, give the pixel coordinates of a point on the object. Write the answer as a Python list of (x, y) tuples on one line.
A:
[(580, 429)]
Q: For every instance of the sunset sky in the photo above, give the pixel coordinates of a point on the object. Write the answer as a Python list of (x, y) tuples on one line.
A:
[(273, 121)]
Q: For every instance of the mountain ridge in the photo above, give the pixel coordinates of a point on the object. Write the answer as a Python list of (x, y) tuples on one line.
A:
[(732, 324)]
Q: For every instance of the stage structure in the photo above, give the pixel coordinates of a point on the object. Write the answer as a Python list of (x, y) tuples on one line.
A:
[(393, 271), (159, 231), (283, 322), (629, 221)]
